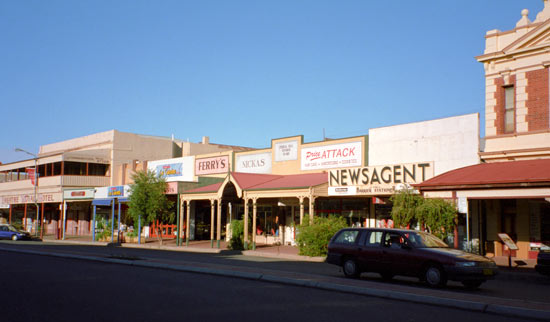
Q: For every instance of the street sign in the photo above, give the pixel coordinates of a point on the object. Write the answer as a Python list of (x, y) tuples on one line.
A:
[(508, 241)]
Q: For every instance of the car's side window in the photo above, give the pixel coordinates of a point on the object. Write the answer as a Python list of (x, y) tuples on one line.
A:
[(374, 239), (393, 240), (3, 228), (347, 237)]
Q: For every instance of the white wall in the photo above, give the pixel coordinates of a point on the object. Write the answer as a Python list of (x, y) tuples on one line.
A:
[(450, 143)]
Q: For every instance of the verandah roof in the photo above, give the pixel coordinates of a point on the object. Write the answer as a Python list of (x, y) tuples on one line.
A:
[(253, 181), (487, 175)]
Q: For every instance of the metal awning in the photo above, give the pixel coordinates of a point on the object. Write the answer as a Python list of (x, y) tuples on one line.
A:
[(102, 202)]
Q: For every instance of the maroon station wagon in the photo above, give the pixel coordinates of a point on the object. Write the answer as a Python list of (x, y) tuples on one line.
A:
[(392, 252)]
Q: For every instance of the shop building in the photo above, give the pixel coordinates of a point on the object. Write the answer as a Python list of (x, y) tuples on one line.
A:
[(66, 172), (508, 193), (276, 188)]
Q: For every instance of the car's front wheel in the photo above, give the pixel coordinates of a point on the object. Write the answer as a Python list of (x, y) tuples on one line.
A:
[(350, 268), (435, 276), (14, 237)]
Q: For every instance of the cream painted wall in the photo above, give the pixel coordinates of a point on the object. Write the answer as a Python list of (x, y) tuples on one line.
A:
[(294, 166), (450, 143)]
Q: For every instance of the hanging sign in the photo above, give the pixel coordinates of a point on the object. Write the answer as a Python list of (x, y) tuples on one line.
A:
[(31, 173)]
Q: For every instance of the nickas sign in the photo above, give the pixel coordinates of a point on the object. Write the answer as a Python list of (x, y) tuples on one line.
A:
[(254, 163)]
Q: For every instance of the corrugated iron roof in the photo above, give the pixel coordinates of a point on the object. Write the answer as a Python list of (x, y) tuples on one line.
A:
[(254, 181), (498, 173), (289, 181)]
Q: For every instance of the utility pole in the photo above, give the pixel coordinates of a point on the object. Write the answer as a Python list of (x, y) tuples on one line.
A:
[(35, 187)]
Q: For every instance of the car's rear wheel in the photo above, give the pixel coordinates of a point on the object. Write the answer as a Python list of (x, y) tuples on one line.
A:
[(14, 237), (350, 268), (472, 285), (435, 276)]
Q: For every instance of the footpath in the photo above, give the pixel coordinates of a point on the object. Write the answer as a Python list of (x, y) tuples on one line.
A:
[(470, 301)]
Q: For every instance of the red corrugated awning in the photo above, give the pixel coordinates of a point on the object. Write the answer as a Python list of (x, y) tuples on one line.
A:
[(254, 181), (511, 173)]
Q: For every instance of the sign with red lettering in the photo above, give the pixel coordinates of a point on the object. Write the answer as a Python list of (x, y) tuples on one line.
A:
[(212, 165), (254, 163), (70, 194), (332, 156)]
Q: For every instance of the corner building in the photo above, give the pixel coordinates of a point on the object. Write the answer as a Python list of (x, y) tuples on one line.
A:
[(509, 192)]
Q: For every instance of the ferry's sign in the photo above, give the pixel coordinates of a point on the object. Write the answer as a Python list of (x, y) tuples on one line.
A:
[(378, 180)]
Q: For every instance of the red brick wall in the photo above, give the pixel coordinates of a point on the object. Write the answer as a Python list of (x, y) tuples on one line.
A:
[(499, 108), (537, 100)]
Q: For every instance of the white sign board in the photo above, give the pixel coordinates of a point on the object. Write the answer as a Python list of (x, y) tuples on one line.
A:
[(332, 156), (463, 205), (112, 192), (342, 191), (78, 194), (286, 151), (379, 180), (177, 169), (254, 163)]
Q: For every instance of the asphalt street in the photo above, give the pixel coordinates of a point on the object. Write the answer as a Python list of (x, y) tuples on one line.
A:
[(522, 286), (43, 288)]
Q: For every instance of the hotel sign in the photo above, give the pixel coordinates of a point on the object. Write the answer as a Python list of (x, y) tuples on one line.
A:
[(332, 156), (29, 198), (378, 180), (212, 165)]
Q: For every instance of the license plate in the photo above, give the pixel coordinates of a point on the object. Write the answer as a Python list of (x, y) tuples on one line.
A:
[(487, 271)]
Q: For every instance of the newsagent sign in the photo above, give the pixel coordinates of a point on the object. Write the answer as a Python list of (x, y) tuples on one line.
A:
[(378, 180), (332, 156)]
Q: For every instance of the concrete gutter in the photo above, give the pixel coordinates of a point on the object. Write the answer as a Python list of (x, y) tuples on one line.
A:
[(475, 306)]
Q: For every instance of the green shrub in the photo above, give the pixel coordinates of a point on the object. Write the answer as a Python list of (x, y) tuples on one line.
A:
[(313, 239), (237, 235)]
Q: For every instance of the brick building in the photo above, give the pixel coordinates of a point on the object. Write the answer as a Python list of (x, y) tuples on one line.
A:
[(509, 192)]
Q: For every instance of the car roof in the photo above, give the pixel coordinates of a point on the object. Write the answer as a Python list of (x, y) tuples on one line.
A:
[(401, 230)]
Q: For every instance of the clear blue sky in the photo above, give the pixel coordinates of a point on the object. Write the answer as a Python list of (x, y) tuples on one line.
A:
[(241, 72)]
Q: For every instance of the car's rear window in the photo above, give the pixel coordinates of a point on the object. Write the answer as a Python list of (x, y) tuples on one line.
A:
[(347, 237)]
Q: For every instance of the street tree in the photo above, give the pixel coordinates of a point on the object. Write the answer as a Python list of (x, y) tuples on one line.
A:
[(404, 208), (148, 202), (438, 215), (410, 208)]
